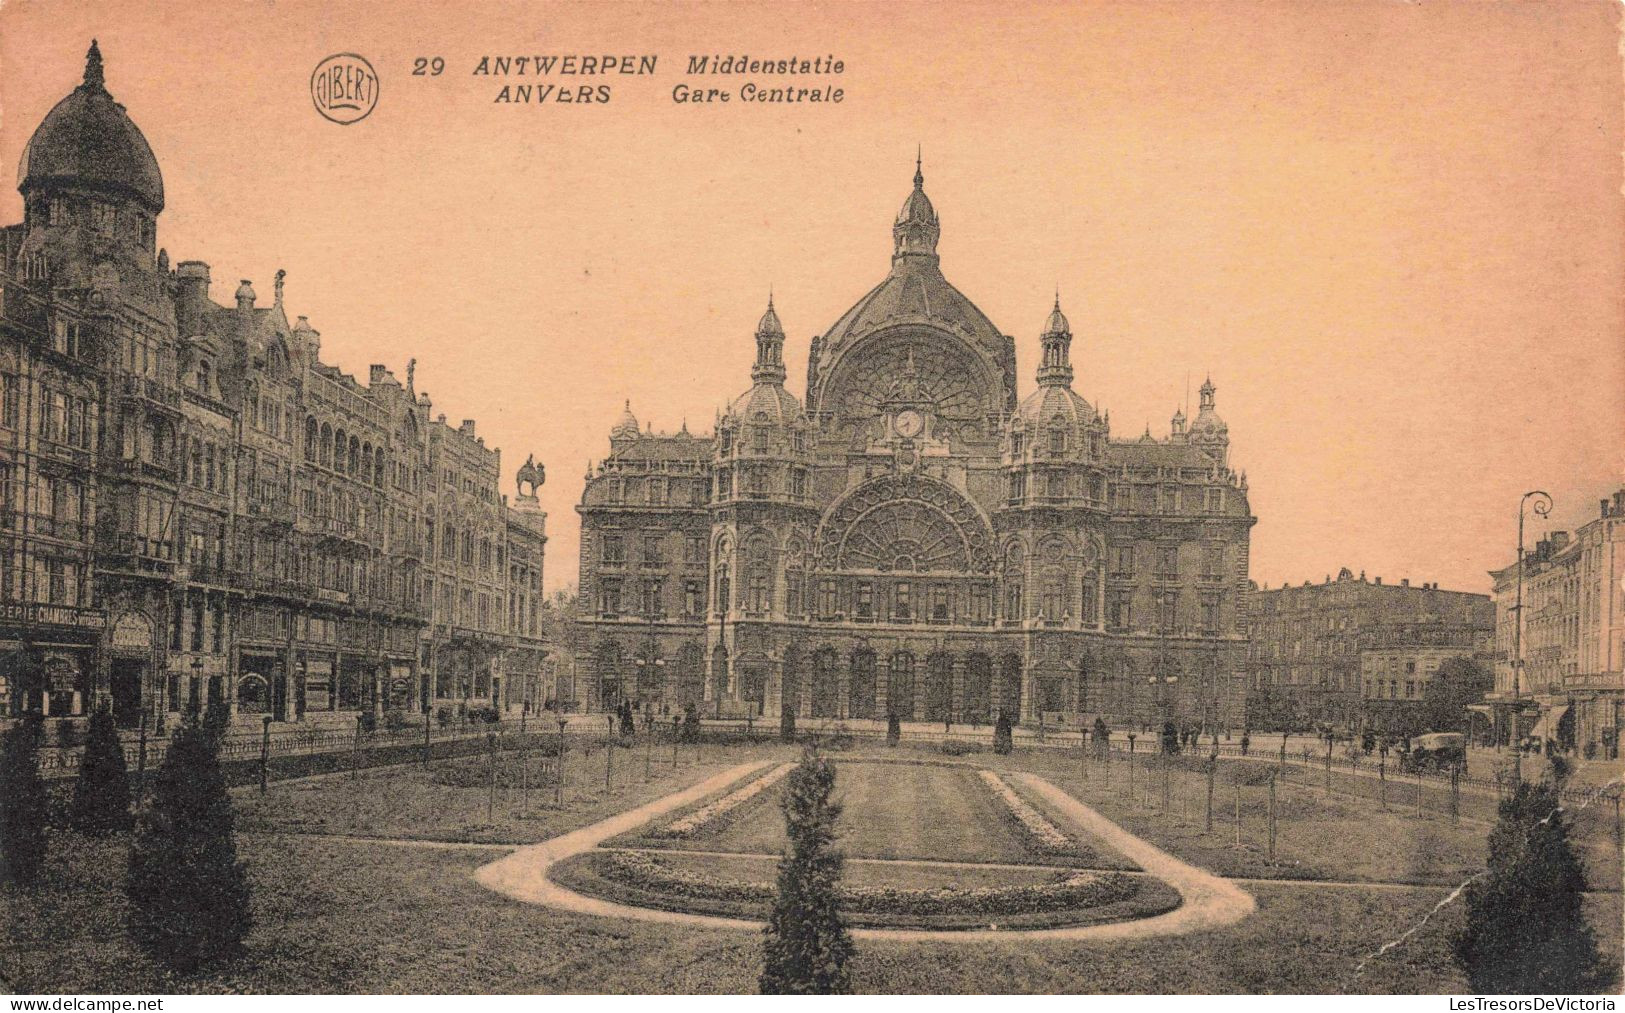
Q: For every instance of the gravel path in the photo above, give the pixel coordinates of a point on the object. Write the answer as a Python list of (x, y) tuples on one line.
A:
[(1209, 902)]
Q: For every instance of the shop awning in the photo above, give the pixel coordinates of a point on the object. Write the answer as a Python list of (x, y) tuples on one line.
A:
[(1488, 710), (1546, 727)]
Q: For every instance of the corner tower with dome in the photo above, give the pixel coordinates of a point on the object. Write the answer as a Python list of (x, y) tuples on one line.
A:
[(914, 540), (196, 509)]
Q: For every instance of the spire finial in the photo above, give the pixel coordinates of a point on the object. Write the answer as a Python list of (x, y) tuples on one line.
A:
[(1057, 297), (93, 67), (919, 160)]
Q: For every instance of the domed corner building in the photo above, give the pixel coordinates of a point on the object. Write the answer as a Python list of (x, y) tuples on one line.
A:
[(913, 540), (196, 509)]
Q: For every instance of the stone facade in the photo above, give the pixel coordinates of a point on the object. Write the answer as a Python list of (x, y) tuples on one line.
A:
[(1571, 689), (195, 507), (916, 541), (1309, 645)]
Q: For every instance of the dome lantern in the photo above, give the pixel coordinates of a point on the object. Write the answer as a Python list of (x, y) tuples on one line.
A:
[(1055, 368), (769, 367), (917, 228)]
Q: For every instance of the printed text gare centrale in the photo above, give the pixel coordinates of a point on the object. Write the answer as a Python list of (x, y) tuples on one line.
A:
[(635, 65)]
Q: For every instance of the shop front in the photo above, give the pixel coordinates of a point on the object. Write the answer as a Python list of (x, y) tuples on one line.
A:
[(48, 657)]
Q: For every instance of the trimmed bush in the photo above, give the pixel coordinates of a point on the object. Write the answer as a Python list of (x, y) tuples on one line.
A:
[(1525, 933), (894, 730), (101, 798), (188, 892), (691, 724), (23, 814), (627, 725), (1003, 742), (807, 945), (787, 724)]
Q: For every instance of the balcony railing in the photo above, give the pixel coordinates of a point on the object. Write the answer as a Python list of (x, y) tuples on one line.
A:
[(145, 389)]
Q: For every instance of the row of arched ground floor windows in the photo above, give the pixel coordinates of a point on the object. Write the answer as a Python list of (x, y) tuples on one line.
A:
[(864, 683)]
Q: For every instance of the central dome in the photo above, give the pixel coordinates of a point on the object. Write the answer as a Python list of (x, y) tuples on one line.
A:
[(89, 141)]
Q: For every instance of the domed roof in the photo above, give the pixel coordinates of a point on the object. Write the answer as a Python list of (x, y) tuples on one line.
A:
[(769, 400), (628, 423), (1057, 322), (917, 209), (769, 324), (1047, 405), (88, 140)]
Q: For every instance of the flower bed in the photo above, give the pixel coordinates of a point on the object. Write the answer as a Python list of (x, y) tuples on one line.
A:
[(708, 814), (651, 880), (1046, 834)]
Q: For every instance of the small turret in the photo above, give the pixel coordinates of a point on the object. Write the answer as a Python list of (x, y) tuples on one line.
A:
[(917, 228)]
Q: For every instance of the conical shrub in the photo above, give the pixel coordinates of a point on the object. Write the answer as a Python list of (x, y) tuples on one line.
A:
[(23, 803), (101, 799), (188, 893), (807, 945), (1525, 932)]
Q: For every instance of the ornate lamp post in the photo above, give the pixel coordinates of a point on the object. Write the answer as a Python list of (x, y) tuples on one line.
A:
[(1542, 507)]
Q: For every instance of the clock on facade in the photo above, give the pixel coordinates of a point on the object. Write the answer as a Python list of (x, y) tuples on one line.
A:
[(910, 424)]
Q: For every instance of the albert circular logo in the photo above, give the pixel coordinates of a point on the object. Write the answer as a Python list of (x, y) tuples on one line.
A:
[(344, 88)]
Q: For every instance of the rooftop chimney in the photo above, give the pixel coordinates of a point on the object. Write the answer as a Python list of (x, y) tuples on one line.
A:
[(467, 428)]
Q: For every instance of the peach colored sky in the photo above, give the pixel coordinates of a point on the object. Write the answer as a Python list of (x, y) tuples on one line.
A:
[(1392, 232)]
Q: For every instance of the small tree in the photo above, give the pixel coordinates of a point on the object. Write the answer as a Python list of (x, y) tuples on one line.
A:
[(894, 729), (188, 892), (807, 946), (627, 727), (1003, 743), (787, 724), (691, 723), (23, 803), (101, 799), (1101, 736), (1525, 933)]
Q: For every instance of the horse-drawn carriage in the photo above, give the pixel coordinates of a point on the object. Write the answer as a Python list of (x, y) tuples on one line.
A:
[(1435, 751)]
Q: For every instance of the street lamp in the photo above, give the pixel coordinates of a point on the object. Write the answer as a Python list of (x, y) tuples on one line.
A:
[(1542, 507)]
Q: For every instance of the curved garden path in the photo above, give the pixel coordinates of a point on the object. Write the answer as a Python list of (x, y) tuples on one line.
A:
[(1208, 902)]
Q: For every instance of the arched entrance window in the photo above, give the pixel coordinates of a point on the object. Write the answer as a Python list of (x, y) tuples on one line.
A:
[(900, 687), (861, 693), (978, 703), (939, 686), (253, 694), (825, 684)]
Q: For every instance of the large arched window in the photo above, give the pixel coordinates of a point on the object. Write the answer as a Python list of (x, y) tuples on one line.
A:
[(905, 536), (325, 445), (311, 438)]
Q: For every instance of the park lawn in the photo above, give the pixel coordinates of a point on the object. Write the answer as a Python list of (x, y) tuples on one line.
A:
[(1317, 838), (893, 810), (448, 800), (341, 916)]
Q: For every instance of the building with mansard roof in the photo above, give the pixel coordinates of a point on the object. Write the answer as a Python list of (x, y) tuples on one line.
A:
[(196, 508), (910, 539)]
